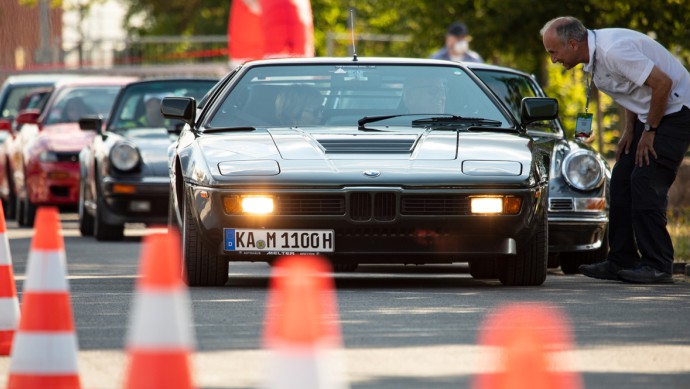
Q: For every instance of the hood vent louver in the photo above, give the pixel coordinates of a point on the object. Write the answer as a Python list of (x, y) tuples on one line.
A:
[(368, 144)]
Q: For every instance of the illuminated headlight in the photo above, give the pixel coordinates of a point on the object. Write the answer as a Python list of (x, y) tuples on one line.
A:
[(583, 170), (495, 205), (124, 156), (47, 156), (256, 205)]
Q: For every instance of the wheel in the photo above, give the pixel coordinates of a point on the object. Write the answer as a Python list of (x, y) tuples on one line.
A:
[(528, 268), (344, 267), (86, 222), (11, 203), (570, 262), (105, 231), (204, 267), (26, 212), (483, 269)]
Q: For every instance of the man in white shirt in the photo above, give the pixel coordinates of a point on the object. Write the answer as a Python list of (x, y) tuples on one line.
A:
[(654, 88)]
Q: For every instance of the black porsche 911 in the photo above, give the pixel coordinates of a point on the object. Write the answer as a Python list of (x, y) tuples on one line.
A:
[(363, 161), (124, 174)]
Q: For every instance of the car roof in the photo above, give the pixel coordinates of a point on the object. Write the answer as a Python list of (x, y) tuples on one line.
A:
[(170, 79), (484, 66), (350, 61), (92, 80), (19, 79)]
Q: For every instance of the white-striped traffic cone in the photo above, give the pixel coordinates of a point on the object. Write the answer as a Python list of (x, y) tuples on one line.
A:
[(44, 354), (9, 304), (160, 337), (302, 332)]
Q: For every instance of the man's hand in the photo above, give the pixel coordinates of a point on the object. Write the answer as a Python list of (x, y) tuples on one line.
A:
[(644, 148), (624, 144)]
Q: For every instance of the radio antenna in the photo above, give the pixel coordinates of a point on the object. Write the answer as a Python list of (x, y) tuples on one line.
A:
[(352, 29)]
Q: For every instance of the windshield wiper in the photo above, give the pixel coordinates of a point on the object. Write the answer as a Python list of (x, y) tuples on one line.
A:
[(373, 119), (228, 129), (453, 119)]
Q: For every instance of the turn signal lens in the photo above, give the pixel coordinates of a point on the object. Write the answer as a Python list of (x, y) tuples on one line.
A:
[(512, 205), (232, 205)]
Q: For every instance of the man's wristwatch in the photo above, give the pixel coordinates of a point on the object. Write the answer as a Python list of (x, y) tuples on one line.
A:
[(649, 128)]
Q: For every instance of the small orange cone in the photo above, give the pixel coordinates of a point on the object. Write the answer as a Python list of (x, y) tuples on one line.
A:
[(301, 331), (44, 354), (9, 304), (528, 338), (160, 336)]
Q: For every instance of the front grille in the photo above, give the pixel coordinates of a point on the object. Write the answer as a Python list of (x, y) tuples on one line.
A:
[(384, 206), (434, 205), (67, 156), (311, 205), (561, 204), (59, 191), (388, 145), (360, 206), (371, 206)]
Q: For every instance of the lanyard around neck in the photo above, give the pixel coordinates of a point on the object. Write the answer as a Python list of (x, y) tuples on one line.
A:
[(594, 65)]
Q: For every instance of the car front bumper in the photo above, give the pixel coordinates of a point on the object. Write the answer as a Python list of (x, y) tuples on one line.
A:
[(142, 200), (53, 183), (382, 229), (576, 232)]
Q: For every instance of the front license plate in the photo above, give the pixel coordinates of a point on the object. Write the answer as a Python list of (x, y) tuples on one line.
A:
[(299, 241)]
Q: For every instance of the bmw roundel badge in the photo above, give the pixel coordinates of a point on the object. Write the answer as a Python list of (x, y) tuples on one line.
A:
[(372, 173)]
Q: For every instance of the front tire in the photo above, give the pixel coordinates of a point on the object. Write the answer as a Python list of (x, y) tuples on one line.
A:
[(204, 267), (86, 220), (104, 231), (528, 268)]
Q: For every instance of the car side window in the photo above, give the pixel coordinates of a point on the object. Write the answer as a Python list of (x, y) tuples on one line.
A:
[(511, 89)]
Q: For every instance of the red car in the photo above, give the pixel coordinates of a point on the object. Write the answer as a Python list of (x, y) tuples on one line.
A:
[(44, 156)]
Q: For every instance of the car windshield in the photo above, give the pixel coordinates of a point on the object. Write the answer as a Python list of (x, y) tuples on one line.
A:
[(341, 95), (13, 102), (75, 102), (139, 105)]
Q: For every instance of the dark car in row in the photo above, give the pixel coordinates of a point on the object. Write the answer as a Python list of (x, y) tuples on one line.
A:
[(123, 170)]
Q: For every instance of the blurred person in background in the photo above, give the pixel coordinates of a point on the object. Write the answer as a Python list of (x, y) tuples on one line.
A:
[(299, 105), (457, 46)]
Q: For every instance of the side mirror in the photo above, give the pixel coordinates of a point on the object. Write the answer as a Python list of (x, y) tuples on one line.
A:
[(6, 124), (533, 109), (181, 108), (91, 123), (28, 116)]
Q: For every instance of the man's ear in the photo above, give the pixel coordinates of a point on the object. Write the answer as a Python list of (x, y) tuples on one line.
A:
[(574, 44)]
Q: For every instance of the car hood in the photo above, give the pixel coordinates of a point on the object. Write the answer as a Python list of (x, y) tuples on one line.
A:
[(423, 157), (153, 148), (65, 137)]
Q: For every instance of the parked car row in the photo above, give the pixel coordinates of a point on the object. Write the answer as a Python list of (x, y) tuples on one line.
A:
[(40, 155), (361, 160)]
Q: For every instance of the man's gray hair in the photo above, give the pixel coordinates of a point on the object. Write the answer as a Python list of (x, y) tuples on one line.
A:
[(567, 28)]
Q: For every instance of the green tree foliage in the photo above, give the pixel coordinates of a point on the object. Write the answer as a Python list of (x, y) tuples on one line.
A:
[(177, 17)]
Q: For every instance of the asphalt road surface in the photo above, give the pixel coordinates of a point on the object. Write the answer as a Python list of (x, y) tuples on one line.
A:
[(403, 327)]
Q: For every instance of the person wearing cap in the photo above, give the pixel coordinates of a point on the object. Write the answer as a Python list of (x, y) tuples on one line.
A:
[(457, 46), (654, 88)]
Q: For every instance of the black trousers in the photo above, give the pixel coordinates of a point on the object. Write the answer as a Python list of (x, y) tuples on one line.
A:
[(639, 197)]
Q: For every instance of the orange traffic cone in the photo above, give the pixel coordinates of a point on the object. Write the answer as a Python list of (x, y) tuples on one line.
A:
[(528, 338), (301, 331), (160, 335), (44, 354), (9, 304)]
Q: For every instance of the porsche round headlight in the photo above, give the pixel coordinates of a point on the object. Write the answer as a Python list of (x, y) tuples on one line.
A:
[(124, 156), (583, 170)]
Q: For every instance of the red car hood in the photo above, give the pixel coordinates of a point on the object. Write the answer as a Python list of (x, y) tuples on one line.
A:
[(66, 137)]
